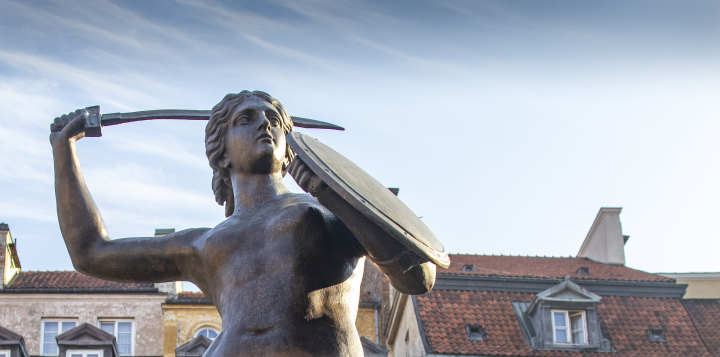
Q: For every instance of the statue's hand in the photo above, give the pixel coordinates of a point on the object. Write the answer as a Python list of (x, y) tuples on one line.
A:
[(306, 178), (68, 127)]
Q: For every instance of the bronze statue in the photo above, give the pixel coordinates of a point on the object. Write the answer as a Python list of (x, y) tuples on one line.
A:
[(283, 269)]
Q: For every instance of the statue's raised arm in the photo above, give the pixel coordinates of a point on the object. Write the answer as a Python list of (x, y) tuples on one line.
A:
[(86, 237), (284, 269)]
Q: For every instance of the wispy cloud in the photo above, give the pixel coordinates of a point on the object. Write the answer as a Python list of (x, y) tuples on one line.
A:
[(170, 149), (105, 86)]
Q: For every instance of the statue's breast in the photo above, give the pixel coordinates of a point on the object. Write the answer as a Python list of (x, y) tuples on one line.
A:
[(288, 240)]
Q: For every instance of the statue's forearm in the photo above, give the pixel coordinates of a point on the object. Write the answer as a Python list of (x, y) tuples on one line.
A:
[(81, 225), (406, 270), (379, 245)]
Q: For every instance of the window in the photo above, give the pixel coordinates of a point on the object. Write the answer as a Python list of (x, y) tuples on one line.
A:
[(4, 353), (207, 332), (657, 335), (50, 330), (468, 268), (123, 332), (569, 327), (583, 271), (85, 353), (475, 332)]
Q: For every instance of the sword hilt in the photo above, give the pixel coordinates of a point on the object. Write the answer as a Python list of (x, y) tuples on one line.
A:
[(93, 122)]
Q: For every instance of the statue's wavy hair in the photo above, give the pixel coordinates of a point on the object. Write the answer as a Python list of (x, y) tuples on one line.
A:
[(215, 133)]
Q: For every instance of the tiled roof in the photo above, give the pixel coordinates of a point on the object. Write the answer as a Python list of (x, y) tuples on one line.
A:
[(705, 313), (544, 267), (67, 280), (189, 295), (193, 298), (626, 320)]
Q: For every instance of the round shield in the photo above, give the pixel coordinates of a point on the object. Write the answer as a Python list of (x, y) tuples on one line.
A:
[(369, 197)]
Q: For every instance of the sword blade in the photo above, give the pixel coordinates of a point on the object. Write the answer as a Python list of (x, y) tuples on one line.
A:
[(183, 114)]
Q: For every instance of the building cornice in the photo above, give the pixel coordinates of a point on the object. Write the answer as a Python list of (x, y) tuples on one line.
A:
[(692, 276), (536, 285)]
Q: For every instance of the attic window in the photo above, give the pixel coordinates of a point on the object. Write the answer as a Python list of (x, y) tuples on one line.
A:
[(657, 335), (468, 267), (583, 271), (569, 327), (475, 332)]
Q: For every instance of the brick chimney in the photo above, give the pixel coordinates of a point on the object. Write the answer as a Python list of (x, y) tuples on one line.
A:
[(605, 241), (9, 260)]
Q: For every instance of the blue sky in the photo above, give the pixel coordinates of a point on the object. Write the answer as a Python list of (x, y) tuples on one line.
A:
[(506, 124)]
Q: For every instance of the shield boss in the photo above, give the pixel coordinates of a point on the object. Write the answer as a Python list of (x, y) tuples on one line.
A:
[(369, 197)]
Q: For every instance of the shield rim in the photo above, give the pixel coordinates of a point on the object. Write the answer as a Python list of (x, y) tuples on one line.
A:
[(367, 208)]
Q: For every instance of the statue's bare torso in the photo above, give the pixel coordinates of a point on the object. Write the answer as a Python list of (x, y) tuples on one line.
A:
[(283, 270), (285, 279)]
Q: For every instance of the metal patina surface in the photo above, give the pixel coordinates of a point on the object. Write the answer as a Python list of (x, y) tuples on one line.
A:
[(284, 269), (94, 121), (369, 197)]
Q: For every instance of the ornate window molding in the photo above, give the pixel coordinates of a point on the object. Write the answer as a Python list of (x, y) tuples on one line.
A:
[(563, 317)]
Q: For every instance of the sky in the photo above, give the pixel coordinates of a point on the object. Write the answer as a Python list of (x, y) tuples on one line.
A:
[(505, 124)]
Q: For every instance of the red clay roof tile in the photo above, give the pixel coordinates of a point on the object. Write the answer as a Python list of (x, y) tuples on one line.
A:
[(445, 313), (544, 267), (705, 314), (66, 279), (189, 295)]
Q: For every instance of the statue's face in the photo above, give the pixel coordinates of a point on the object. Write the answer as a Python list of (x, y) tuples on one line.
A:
[(255, 141)]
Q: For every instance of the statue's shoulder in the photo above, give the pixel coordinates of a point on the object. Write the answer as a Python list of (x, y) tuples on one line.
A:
[(303, 202), (299, 199)]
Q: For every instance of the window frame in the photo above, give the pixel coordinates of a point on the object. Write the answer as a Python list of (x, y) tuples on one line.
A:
[(115, 329), (6, 353), (568, 326), (84, 353), (60, 332), (478, 335), (201, 329)]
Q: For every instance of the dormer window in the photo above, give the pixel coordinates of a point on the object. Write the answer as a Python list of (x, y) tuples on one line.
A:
[(562, 318), (569, 327), (657, 335), (468, 268), (583, 271), (475, 332)]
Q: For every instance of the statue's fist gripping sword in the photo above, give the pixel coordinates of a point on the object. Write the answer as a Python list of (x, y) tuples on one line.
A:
[(94, 121)]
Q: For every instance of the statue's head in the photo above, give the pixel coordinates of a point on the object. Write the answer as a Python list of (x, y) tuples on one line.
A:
[(224, 117)]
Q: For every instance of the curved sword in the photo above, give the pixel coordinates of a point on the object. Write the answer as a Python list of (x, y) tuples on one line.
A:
[(95, 121)]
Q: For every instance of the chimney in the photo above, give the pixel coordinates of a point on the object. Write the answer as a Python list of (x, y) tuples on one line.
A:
[(605, 242), (9, 260), (159, 232)]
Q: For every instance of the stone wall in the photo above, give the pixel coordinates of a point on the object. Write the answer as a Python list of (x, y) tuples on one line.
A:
[(23, 314), (375, 282), (407, 342)]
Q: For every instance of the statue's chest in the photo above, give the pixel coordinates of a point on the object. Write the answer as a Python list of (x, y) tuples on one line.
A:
[(266, 241)]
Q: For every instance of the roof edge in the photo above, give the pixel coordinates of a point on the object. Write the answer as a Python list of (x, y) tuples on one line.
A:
[(144, 290), (536, 285)]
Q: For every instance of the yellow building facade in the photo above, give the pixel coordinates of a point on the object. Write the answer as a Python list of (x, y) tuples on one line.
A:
[(186, 316)]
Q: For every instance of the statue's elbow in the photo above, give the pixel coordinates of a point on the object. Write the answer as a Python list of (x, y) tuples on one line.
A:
[(418, 280), (82, 265)]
